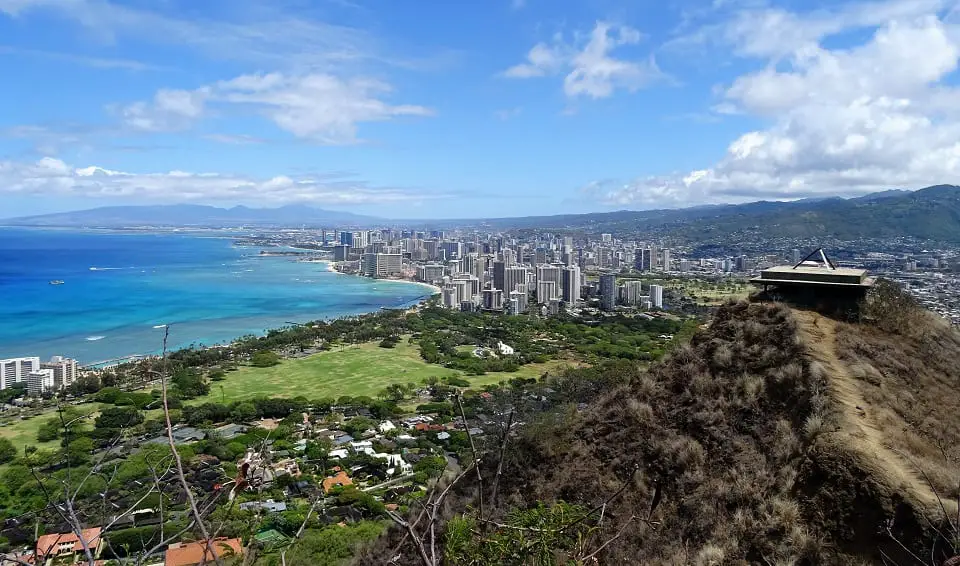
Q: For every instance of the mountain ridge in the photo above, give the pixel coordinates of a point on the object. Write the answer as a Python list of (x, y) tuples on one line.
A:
[(930, 213), (184, 215)]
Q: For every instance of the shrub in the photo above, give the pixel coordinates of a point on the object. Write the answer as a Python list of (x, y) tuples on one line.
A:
[(264, 359)]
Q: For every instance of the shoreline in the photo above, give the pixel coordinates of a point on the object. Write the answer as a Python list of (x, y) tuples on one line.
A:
[(331, 267), (127, 340)]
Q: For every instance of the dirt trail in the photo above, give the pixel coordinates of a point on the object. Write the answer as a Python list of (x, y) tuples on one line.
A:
[(857, 430)]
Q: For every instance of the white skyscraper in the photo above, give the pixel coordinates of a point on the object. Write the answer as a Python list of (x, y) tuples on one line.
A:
[(381, 265), (656, 296), (64, 371), (632, 292), (40, 381), (16, 370)]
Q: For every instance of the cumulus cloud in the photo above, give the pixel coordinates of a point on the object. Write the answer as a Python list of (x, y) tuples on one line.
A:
[(51, 177), (318, 106), (874, 115), (589, 67)]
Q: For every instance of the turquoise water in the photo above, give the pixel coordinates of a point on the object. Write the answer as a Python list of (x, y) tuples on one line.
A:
[(118, 286)]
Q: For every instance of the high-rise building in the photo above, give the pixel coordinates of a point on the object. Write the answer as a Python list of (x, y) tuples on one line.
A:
[(656, 296), (452, 249), (429, 273), (16, 370), (493, 299), (546, 291), (631, 292), (796, 256), (341, 252), (684, 265), (551, 274), (666, 259), (513, 277), (571, 285), (64, 370), (608, 291), (471, 286), (40, 381), (499, 275), (518, 302), (605, 257), (606, 238), (450, 299), (381, 265)]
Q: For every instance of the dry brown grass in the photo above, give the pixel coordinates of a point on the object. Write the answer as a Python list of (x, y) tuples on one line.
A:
[(911, 387), (748, 439)]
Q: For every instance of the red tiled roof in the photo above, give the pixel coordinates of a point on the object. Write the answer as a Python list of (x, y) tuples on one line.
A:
[(192, 553), (341, 478), (49, 545)]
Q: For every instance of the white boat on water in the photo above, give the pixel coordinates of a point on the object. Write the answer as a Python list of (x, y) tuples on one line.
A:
[(57, 282)]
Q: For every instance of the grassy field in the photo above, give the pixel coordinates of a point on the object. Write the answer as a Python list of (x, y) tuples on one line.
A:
[(23, 432), (359, 370)]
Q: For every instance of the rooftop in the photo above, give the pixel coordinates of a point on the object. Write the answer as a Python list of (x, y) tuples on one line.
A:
[(188, 554)]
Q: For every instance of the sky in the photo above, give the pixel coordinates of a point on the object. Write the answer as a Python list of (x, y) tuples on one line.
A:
[(473, 108)]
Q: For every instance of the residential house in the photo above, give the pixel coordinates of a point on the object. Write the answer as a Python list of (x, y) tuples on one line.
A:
[(394, 461), (269, 505), (56, 546), (230, 431), (364, 446), (340, 478), (387, 426), (200, 552)]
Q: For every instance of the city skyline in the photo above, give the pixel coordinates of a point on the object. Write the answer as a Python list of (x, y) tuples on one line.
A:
[(449, 111)]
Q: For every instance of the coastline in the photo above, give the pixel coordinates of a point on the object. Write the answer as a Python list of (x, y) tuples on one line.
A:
[(205, 304), (332, 266)]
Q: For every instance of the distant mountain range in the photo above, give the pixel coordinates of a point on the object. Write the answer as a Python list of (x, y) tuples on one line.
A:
[(932, 213), (184, 215)]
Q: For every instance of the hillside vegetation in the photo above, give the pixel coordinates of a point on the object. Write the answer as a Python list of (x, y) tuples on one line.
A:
[(774, 437)]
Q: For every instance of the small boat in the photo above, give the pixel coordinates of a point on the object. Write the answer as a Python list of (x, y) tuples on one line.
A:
[(57, 282)]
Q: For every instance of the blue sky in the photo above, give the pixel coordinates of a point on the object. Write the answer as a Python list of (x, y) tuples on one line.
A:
[(410, 109)]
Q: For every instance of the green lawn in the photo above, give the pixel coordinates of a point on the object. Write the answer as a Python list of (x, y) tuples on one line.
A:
[(23, 432), (359, 370)]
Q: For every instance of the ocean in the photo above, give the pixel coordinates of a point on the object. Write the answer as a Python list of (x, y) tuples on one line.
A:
[(118, 286)]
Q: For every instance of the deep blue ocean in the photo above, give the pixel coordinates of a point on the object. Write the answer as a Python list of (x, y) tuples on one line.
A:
[(118, 286)]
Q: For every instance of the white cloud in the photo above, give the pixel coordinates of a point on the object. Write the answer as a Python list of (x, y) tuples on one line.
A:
[(319, 106), (51, 178), (168, 111), (88, 61), (590, 69), (879, 114), (265, 36)]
